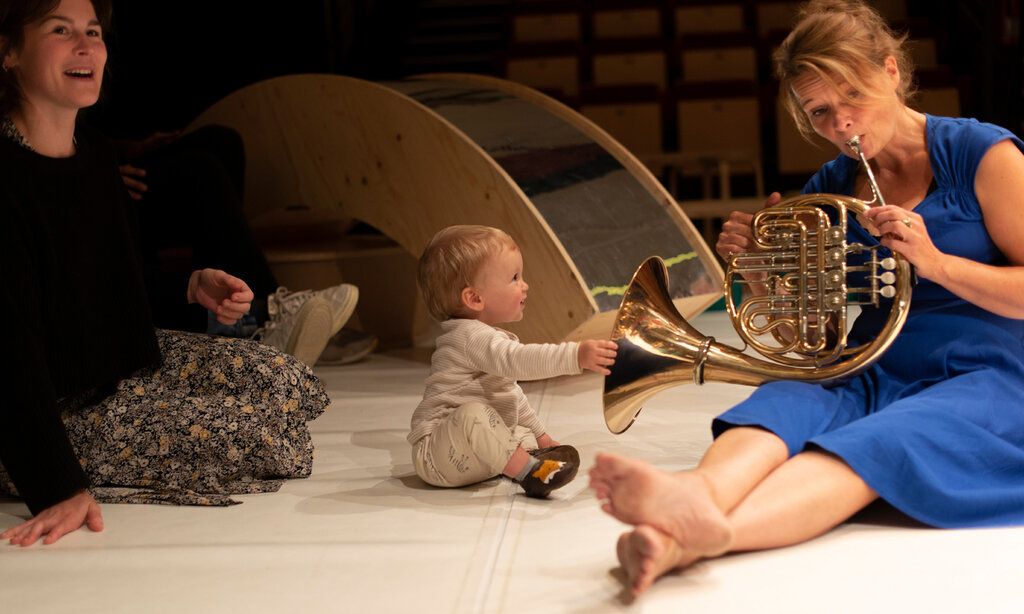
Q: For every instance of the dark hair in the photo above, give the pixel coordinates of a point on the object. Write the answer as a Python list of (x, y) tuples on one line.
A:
[(15, 15)]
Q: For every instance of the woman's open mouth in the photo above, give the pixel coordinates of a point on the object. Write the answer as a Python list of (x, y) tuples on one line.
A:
[(80, 73)]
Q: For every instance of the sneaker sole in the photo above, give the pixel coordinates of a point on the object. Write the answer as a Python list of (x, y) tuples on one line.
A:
[(346, 310), (312, 331), (350, 358)]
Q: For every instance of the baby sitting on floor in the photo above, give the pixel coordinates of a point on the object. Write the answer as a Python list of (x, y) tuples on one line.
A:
[(474, 421)]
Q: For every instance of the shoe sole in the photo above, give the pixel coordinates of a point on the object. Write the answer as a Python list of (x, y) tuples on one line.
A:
[(351, 358), (346, 310), (564, 453), (312, 331), (542, 491)]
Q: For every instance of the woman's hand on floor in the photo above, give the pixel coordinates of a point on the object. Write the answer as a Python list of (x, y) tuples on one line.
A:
[(57, 521)]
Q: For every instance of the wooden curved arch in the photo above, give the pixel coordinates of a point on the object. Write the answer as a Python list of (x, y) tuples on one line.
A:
[(373, 152)]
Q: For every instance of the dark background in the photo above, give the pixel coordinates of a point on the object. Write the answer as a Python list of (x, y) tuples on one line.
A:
[(171, 60)]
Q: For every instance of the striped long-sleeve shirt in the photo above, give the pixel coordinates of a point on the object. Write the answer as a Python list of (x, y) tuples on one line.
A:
[(477, 362)]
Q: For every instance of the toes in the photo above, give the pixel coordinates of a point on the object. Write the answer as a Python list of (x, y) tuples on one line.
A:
[(642, 583), (608, 464), (622, 551)]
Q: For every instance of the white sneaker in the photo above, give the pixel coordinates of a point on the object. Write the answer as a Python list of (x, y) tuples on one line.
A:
[(348, 346), (304, 332), (342, 300)]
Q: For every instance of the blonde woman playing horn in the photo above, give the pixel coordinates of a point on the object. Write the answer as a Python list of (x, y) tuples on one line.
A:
[(934, 427)]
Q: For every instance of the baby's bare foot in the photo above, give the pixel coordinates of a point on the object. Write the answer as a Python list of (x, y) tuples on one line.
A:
[(678, 504), (646, 554)]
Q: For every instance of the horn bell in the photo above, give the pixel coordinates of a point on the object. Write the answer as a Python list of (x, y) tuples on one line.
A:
[(658, 349)]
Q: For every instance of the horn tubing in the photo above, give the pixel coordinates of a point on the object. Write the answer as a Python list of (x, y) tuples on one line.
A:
[(659, 349)]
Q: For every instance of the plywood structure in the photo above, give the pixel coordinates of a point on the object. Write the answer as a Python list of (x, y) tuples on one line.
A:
[(413, 156), (640, 68), (627, 23), (704, 19), (554, 73), (637, 125), (546, 27), (720, 64)]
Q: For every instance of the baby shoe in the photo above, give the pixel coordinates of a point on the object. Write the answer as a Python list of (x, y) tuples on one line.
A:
[(557, 467)]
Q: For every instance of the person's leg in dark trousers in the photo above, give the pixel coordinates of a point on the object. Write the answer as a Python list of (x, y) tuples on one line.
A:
[(191, 217)]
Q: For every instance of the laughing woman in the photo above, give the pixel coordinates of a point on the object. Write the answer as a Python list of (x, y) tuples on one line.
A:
[(99, 406)]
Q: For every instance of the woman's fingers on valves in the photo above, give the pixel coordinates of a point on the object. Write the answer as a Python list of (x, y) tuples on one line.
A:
[(729, 245), (738, 221), (895, 220)]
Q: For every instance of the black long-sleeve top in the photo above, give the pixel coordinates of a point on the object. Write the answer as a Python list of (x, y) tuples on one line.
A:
[(75, 312)]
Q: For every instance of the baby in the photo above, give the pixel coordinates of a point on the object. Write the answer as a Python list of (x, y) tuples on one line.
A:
[(474, 421)]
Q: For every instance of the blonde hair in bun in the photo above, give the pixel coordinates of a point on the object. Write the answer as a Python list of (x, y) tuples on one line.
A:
[(841, 40)]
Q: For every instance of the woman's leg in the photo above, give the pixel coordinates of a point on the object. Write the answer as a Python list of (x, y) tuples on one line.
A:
[(194, 201), (737, 461), (803, 498), (806, 497), (680, 504), (217, 417)]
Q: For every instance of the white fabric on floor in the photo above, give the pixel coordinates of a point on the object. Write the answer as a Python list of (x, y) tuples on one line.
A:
[(363, 534)]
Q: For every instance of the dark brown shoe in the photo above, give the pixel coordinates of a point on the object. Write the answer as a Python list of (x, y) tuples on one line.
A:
[(560, 453), (558, 466)]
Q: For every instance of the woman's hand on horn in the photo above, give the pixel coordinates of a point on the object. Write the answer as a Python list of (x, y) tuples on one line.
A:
[(737, 233), (905, 233)]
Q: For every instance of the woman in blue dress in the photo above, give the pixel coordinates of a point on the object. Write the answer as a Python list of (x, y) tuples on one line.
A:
[(936, 427)]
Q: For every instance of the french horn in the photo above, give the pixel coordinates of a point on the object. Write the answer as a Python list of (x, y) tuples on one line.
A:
[(801, 279)]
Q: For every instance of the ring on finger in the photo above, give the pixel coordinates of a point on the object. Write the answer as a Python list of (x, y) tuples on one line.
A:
[(906, 222)]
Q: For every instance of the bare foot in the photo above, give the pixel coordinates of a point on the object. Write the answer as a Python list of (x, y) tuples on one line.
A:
[(646, 554), (678, 504)]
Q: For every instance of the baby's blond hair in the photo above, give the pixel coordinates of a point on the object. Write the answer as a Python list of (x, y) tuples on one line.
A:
[(451, 261)]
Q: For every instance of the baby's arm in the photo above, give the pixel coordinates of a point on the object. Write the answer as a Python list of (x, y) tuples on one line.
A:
[(492, 352), (597, 355)]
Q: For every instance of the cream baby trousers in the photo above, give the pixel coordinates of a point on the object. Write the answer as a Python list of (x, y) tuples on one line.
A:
[(469, 445)]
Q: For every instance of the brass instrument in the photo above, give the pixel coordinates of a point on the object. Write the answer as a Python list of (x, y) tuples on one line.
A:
[(799, 323)]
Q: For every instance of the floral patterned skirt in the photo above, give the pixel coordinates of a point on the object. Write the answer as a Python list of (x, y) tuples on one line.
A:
[(217, 417)]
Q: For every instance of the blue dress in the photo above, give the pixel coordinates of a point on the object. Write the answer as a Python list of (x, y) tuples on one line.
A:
[(936, 426)]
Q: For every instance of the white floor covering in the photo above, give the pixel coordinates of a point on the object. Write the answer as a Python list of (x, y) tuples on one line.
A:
[(363, 534)]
